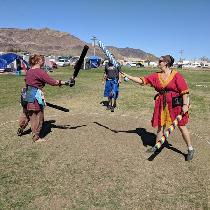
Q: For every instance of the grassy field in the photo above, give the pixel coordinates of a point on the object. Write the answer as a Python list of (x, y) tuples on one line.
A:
[(132, 98), (95, 159)]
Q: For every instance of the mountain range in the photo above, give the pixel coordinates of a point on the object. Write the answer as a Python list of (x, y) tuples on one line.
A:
[(52, 42)]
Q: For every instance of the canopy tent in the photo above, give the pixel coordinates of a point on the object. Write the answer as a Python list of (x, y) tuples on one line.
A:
[(3, 65), (12, 62), (10, 57), (94, 61)]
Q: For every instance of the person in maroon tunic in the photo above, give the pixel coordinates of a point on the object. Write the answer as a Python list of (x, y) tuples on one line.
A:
[(33, 109), (171, 99)]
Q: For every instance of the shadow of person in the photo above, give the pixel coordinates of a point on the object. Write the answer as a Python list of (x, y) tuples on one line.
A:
[(167, 146), (99, 124), (48, 125), (148, 139), (104, 103)]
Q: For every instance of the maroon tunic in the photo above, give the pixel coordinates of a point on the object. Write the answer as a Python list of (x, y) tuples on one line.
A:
[(38, 78)]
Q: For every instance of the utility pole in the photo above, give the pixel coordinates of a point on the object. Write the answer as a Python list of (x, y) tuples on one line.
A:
[(181, 53), (94, 44)]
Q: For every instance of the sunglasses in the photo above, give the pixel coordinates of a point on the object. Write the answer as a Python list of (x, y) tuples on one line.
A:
[(161, 61)]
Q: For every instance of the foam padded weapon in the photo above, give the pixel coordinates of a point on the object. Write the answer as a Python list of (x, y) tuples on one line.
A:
[(108, 54), (110, 57), (57, 107), (79, 63), (165, 135), (77, 67)]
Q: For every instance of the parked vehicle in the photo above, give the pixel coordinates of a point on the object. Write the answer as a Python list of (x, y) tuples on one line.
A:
[(196, 65), (205, 66), (137, 64), (73, 60), (191, 65), (65, 57), (130, 64), (62, 62), (186, 66)]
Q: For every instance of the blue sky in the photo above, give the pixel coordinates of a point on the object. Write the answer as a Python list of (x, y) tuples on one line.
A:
[(156, 26)]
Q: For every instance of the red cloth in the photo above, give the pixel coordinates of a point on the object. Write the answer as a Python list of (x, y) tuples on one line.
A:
[(176, 85)]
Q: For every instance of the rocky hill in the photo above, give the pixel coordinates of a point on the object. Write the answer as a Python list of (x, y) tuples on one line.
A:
[(47, 41)]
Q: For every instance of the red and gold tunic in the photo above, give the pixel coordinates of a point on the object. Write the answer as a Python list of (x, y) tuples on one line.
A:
[(174, 86)]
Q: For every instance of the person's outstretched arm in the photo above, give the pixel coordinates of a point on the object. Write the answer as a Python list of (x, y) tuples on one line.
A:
[(134, 79), (54, 82)]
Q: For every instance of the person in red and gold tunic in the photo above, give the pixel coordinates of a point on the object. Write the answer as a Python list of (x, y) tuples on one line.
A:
[(171, 100)]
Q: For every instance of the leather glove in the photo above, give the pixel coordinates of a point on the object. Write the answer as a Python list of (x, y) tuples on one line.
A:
[(70, 82)]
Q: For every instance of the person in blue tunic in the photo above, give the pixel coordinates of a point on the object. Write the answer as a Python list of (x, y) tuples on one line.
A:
[(112, 77)]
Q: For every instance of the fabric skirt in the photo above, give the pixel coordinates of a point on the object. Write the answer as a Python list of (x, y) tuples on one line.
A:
[(111, 89)]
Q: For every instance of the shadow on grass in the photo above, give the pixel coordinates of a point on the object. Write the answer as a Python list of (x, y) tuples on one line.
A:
[(167, 146), (148, 139), (104, 103), (48, 125)]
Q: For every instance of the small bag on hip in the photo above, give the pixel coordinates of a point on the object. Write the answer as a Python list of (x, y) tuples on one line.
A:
[(23, 98), (177, 101)]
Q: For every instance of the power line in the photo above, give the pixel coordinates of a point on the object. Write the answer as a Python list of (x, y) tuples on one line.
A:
[(94, 44), (181, 53)]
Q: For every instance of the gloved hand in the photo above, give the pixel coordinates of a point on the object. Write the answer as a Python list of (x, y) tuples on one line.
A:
[(70, 82), (66, 83), (125, 76)]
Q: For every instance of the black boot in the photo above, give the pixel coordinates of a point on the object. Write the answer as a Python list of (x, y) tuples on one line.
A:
[(112, 108), (20, 132)]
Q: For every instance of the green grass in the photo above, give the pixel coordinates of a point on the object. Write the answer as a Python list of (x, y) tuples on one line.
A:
[(132, 97), (86, 170)]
